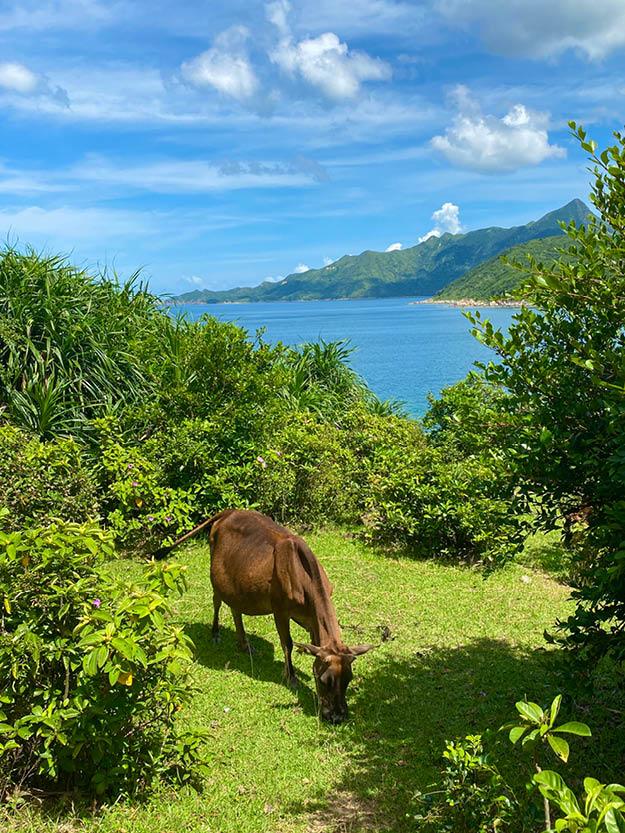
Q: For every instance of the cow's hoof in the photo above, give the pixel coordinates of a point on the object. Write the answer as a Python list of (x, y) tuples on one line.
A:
[(216, 638), (292, 682), (246, 648)]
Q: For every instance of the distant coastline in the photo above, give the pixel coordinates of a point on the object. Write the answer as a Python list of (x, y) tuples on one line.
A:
[(474, 302)]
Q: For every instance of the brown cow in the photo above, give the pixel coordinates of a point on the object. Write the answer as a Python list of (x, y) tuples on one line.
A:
[(260, 568)]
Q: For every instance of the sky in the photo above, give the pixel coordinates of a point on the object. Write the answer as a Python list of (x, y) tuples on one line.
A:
[(222, 144)]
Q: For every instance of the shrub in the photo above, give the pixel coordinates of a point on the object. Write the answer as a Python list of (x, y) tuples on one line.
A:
[(419, 496), (195, 455), (41, 480), (308, 474), (474, 796), (562, 366), (140, 508), (470, 418), (70, 343), (93, 670)]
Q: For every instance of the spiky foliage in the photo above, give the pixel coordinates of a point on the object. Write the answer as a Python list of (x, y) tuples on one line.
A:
[(69, 342)]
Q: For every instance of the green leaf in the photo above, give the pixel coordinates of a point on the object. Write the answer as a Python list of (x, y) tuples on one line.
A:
[(549, 778), (516, 733), (555, 707), (559, 746), (614, 822), (530, 711), (90, 663), (574, 728)]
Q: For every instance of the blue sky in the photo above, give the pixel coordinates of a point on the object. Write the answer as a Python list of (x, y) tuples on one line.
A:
[(221, 144)]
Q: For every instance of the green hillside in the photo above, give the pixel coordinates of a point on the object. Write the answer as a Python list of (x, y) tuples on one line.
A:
[(420, 270), (497, 277)]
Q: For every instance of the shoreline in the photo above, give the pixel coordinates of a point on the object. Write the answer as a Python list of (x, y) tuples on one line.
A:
[(472, 302), (460, 302)]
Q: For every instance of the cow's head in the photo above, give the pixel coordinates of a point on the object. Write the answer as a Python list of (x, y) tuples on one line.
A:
[(333, 673)]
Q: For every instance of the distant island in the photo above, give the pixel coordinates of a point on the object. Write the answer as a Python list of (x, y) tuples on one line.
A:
[(451, 267)]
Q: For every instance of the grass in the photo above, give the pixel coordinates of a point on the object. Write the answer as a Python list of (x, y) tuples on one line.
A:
[(462, 650)]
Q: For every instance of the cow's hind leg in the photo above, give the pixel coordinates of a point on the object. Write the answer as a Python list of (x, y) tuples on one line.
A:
[(244, 644), (284, 632), (216, 606)]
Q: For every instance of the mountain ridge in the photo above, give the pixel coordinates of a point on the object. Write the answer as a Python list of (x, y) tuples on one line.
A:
[(423, 269)]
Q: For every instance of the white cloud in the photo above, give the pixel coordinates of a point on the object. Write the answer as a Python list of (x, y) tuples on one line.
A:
[(58, 14), (365, 17), (446, 219), (277, 12), (301, 268), (18, 78), (195, 280), (64, 224), (22, 81), (324, 62), (225, 66), (394, 247), (489, 144), (537, 29), (172, 176), (328, 261)]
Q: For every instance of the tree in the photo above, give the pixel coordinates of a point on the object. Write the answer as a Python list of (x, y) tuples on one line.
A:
[(563, 366)]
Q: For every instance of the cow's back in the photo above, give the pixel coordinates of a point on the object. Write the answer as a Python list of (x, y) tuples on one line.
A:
[(242, 559)]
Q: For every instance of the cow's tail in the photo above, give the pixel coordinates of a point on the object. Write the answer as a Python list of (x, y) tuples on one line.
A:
[(163, 552)]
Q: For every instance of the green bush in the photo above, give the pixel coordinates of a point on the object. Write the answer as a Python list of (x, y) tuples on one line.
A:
[(195, 455), (93, 670), (42, 480), (419, 496), (70, 343), (562, 366), (139, 507), (308, 474), (473, 795)]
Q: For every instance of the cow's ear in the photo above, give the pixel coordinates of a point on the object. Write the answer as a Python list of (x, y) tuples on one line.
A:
[(359, 650), (307, 648)]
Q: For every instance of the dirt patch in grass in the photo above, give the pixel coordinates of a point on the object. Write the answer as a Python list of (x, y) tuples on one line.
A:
[(346, 812)]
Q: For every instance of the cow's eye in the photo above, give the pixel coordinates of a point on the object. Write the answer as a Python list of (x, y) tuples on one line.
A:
[(327, 678)]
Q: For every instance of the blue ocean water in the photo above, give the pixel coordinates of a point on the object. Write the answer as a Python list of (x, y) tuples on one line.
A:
[(403, 350)]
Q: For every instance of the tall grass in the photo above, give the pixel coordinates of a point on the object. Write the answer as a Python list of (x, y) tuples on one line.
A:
[(70, 343)]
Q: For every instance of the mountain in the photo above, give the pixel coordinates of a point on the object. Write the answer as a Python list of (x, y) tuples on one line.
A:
[(496, 277), (420, 270)]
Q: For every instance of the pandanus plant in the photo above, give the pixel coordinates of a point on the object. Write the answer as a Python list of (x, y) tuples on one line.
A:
[(70, 342)]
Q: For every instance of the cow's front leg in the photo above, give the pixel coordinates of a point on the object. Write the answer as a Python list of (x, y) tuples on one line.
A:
[(284, 632)]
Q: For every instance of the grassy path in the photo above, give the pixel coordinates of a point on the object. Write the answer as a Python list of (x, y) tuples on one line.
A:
[(463, 649)]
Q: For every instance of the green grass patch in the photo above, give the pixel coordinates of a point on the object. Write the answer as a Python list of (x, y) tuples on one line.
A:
[(462, 649)]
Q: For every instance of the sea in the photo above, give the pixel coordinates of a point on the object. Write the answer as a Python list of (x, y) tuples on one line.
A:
[(404, 350)]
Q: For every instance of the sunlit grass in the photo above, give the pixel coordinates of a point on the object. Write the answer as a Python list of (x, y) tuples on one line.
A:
[(462, 650)]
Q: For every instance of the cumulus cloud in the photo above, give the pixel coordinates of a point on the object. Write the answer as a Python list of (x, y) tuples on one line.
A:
[(394, 247), (537, 29), (301, 268), (19, 79), (225, 66), (324, 62), (489, 144), (446, 219)]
